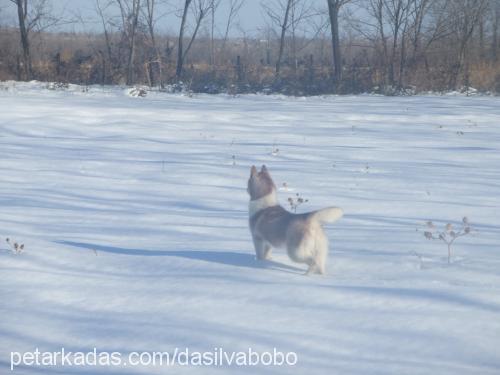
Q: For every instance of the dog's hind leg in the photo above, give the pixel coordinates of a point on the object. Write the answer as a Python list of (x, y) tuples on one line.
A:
[(318, 253), (312, 268), (321, 252)]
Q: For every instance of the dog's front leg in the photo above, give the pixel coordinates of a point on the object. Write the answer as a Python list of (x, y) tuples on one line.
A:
[(262, 248), (267, 251)]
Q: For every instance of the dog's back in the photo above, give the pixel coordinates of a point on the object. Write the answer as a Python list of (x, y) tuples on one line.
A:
[(272, 224)]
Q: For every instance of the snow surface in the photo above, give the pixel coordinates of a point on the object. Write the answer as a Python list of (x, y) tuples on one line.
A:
[(133, 212)]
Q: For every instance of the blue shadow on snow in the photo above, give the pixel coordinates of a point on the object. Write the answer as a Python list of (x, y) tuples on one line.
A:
[(227, 258)]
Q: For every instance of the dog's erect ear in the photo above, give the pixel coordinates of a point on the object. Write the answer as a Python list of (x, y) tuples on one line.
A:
[(264, 169), (253, 171)]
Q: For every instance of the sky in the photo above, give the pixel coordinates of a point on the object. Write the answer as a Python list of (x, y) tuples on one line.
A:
[(251, 17)]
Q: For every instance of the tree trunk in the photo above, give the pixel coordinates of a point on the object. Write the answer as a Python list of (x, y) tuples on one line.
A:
[(131, 54), (180, 54), (150, 4), (333, 12), (22, 12), (481, 37), (107, 39), (284, 26), (402, 61), (393, 53), (195, 32), (494, 46), (212, 30)]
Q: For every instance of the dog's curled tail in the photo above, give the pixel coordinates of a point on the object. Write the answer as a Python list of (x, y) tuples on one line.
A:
[(327, 215)]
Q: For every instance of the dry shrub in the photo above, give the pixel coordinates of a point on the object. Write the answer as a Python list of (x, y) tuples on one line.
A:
[(485, 76)]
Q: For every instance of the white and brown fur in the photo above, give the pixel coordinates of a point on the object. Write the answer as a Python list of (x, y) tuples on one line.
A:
[(273, 226)]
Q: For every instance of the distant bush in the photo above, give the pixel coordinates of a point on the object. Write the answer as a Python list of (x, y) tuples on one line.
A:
[(248, 66)]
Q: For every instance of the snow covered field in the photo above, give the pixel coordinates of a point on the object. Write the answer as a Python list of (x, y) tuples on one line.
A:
[(133, 213)]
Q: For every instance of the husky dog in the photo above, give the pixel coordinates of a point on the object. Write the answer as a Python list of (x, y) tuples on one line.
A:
[(273, 226)]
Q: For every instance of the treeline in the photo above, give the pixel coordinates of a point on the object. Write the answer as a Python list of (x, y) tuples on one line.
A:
[(348, 46)]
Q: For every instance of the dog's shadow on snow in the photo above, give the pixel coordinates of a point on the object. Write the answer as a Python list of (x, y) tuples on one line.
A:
[(227, 258)]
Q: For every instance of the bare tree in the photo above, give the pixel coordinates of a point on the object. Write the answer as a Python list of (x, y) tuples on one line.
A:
[(495, 5), (398, 19), (149, 14), (214, 4), (22, 14), (417, 12), (234, 8), (373, 28), (180, 52), (33, 14), (129, 12), (334, 7), (199, 10), (395, 28), (305, 19), (465, 16), (105, 22), (279, 14)]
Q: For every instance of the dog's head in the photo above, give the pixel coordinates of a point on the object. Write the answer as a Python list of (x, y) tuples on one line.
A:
[(260, 183)]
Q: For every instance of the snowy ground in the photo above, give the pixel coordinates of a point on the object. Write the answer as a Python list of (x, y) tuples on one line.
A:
[(133, 212)]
